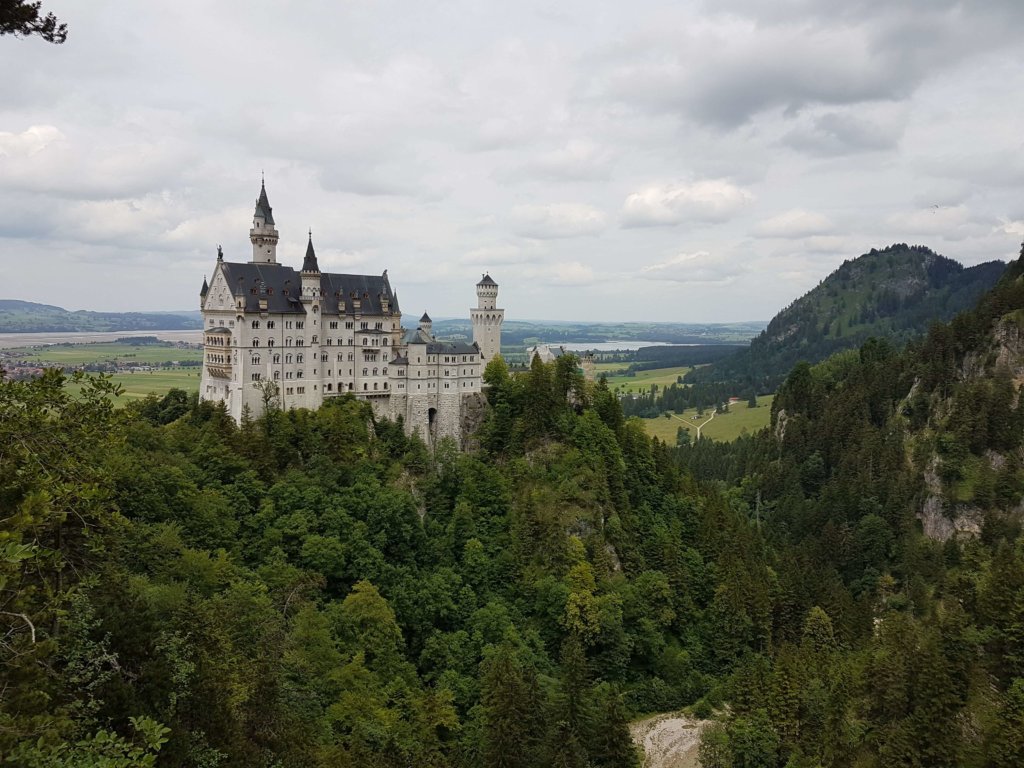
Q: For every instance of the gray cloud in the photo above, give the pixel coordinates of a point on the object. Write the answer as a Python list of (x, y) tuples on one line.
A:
[(591, 156)]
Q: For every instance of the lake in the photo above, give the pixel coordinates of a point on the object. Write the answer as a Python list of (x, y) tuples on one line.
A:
[(12, 340)]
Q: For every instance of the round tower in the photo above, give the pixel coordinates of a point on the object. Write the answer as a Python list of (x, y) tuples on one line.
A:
[(487, 318), (263, 234)]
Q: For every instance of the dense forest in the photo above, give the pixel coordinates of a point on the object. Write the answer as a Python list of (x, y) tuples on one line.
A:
[(318, 589), (892, 293)]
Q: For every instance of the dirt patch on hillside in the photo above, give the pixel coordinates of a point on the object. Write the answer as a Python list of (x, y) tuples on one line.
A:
[(668, 741)]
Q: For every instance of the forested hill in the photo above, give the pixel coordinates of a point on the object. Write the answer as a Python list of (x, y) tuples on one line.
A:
[(890, 490), (895, 293), (29, 317)]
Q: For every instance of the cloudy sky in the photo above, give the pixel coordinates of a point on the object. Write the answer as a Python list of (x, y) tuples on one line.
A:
[(689, 161)]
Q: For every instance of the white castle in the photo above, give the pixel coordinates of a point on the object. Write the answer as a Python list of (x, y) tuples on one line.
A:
[(302, 337)]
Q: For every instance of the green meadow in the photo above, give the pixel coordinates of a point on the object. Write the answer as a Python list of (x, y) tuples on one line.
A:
[(642, 380), (83, 354), (725, 426)]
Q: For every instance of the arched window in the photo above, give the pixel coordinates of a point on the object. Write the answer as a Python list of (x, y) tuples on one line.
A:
[(299, 358), (277, 358), (255, 342), (255, 323)]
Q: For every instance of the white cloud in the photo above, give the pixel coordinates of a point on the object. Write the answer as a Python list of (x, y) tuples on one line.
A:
[(794, 223), (556, 220), (697, 267), (670, 204)]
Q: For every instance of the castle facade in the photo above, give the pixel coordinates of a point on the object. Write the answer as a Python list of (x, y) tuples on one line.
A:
[(271, 334)]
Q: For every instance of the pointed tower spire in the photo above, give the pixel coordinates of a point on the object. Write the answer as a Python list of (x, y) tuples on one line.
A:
[(309, 263), (205, 289), (263, 234)]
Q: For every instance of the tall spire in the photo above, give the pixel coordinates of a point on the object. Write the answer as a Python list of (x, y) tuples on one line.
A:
[(263, 209), (309, 263)]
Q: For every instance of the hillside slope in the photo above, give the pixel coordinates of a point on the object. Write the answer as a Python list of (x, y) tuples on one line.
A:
[(895, 293), (28, 317)]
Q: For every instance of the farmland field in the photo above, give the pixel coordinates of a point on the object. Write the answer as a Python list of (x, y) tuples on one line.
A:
[(83, 354), (642, 381), (725, 426), (160, 382)]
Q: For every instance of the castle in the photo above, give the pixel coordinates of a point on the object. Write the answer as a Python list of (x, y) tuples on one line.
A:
[(271, 333)]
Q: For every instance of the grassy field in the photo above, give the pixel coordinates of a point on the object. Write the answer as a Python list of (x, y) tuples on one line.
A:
[(642, 381), (725, 426), (81, 354), (138, 385)]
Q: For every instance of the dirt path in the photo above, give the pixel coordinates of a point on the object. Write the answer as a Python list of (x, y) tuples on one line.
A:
[(669, 740), (700, 426)]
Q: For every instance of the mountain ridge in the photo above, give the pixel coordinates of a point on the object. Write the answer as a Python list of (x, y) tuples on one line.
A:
[(894, 293)]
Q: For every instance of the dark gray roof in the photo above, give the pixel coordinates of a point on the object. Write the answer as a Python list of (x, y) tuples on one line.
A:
[(309, 263), (452, 348), (283, 289), (425, 318), (205, 289), (263, 206), (486, 280), (400, 360), (416, 336)]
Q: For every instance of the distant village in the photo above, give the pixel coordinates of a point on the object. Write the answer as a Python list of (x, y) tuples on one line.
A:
[(22, 363)]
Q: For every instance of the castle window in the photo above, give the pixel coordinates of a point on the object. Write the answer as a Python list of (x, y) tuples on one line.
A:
[(366, 386), (385, 341), (277, 375), (323, 358), (348, 324), (288, 375), (385, 385), (270, 323), (255, 359), (256, 377), (329, 387), (288, 358), (300, 342), (314, 340), (339, 357), (375, 385), (446, 385), (270, 342), (365, 341), (299, 358), (350, 386), (385, 371), (328, 342), (300, 390), (287, 323), (298, 374), (374, 371), (366, 371), (299, 323), (255, 342), (333, 325), (363, 326), (289, 391), (288, 341), (378, 326), (277, 358)]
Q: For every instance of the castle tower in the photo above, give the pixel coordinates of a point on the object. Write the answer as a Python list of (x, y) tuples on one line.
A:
[(263, 234), (487, 319), (427, 324)]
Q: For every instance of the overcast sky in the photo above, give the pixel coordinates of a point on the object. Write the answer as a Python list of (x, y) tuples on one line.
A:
[(604, 161)]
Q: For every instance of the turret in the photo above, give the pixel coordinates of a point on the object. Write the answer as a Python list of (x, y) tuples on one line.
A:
[(487, 319), (486, 293), (263, 234), (427, 324), (310, 273)]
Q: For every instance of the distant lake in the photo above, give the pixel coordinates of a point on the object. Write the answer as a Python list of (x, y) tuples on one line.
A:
[(9, 340), (611, 346)]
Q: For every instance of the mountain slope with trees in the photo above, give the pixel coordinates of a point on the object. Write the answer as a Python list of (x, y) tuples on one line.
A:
[(894, 293), (911, 650)]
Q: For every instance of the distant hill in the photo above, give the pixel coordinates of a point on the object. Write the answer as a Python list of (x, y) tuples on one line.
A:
[(29, 317), (894, 293)]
